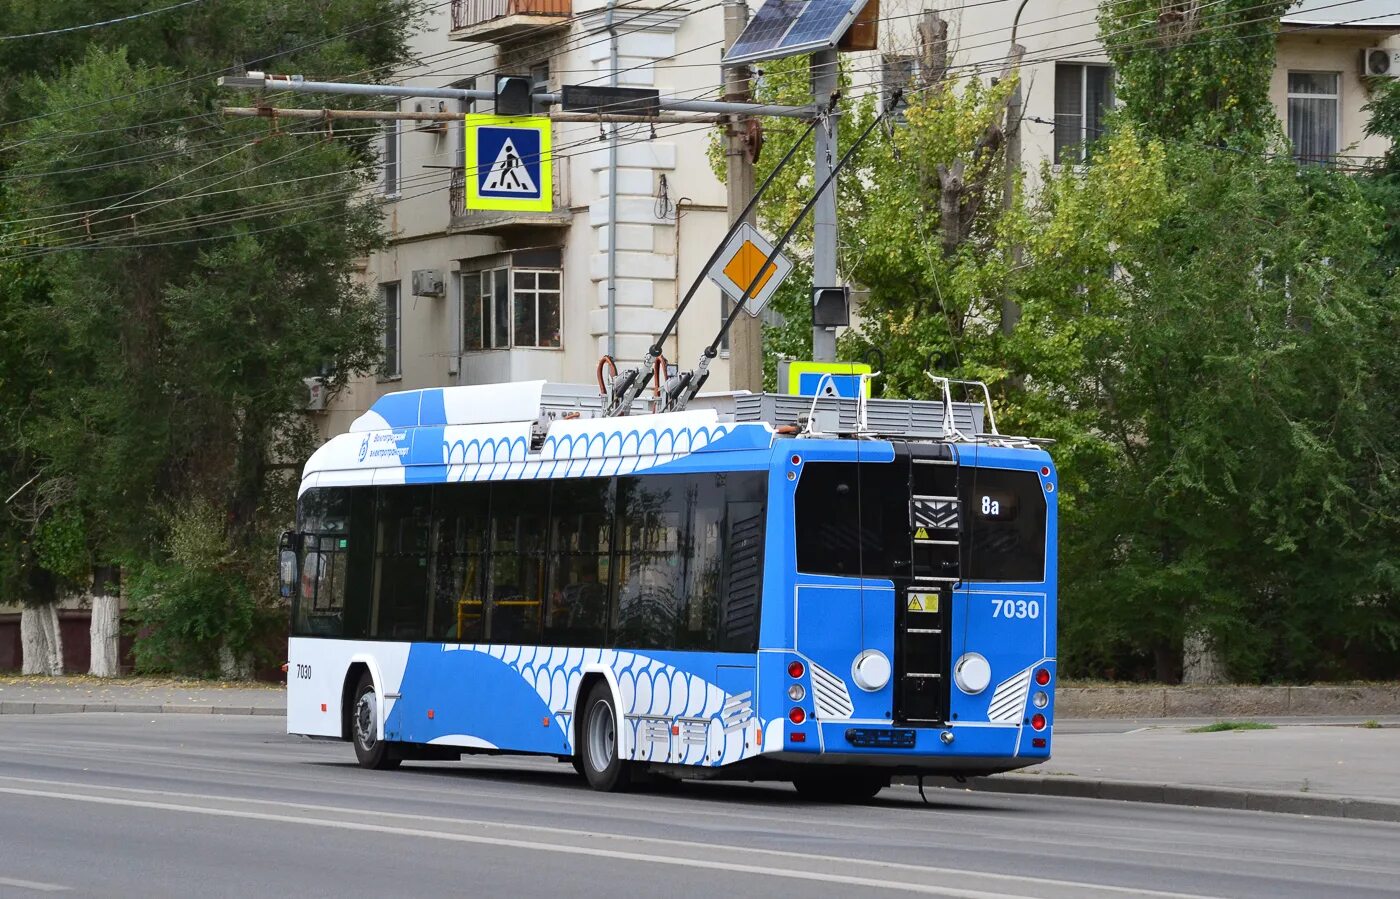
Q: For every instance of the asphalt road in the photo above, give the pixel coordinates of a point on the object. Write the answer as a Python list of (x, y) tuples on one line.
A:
[(199, 805)]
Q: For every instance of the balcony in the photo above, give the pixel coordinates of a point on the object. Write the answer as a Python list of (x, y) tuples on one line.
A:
[(517, 225), (497, 21)]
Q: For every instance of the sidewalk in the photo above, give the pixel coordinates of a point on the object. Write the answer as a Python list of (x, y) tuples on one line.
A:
[(1316, 766), (55, 695), (1329, 766)]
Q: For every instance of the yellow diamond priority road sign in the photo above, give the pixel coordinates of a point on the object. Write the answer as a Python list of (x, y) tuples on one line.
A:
[(742, 261)]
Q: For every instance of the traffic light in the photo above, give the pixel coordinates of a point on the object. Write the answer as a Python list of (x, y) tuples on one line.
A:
[(831, 307), (513, 95)]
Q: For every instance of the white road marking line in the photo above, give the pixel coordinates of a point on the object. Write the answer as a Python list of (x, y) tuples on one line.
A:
[(532, 845), (34, 885)]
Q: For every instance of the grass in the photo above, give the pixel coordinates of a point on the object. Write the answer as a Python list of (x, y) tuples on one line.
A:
[(1221, 726), (1372, 724)]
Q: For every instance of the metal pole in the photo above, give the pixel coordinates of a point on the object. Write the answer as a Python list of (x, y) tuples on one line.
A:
[(612, 193), (824, 213), (297, 84), (746, 335)]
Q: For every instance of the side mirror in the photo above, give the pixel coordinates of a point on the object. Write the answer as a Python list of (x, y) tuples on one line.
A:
[(288, 567)]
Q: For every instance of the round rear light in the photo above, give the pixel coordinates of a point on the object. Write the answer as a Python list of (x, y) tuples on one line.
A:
[(1042, 676), (797, 716), (797, 693), (796, 669), (1038, 721), (1045, 471)]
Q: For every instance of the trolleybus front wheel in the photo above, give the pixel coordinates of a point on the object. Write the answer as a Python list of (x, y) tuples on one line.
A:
[(599, 749), (371, 751), (850, 786)]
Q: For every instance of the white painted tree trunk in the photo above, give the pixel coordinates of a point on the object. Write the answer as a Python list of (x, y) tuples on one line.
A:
[(105, 633), (41, 642), (1200, 663), (232, 667)]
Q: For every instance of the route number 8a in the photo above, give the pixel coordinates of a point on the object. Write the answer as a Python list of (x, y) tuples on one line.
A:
[(1015, 608)]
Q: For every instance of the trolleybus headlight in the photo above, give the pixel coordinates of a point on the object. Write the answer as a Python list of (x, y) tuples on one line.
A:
[(798, 715), (796, 669), (1038, 721), (797, 693), (1042, 676), (1040, 699), (972, 673)]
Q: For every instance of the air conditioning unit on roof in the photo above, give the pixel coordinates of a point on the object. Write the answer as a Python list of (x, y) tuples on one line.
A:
[(1380, 62)]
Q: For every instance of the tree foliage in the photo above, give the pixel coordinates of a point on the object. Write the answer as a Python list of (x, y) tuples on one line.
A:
[(1195, 71), (168, 277)]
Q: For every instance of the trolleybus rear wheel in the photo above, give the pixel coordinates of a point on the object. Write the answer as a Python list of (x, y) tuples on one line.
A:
[(599, 749), (370, 749), (850, 786)]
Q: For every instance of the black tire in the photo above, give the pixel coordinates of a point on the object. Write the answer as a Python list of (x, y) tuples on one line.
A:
[(598, 743), (371, 751), (851, 786)]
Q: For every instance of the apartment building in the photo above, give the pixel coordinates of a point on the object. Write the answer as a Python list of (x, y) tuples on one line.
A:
[(475, 297), (1319, 86), (478, 297)]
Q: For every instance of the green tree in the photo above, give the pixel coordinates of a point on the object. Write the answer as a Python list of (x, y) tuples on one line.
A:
[(182, 274), (1196, 72)]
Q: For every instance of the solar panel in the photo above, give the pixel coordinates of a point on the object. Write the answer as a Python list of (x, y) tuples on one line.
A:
[(788, 27)]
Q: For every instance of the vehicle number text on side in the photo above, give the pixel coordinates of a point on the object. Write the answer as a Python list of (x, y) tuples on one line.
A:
[(1015, 608)]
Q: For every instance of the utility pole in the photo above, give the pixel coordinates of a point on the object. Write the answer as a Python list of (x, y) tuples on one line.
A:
[(824, 213), (746, 334), (1010, 311)]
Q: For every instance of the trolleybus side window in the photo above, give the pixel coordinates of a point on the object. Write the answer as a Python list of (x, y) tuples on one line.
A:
[(649, 592), (460, 515), (580, 545), (320, 594), (519, 527), (1004, 520), (403, 519)]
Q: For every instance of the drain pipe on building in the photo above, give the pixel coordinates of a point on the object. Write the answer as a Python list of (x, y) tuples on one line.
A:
[(612, 189)]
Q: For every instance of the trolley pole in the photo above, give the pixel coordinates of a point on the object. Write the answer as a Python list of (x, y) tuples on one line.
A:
[(824, 213), (746, 335)]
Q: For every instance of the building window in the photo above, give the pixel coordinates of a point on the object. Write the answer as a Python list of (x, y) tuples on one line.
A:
[(389, 159), (1314, 113), (897, 72), (1083, 99), (505, 307), (393, 341), (535, 298)]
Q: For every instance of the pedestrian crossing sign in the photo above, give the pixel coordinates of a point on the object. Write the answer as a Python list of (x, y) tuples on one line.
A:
[(509, 164)]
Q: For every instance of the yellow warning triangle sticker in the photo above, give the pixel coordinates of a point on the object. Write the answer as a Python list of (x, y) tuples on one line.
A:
[(916, 604), (921, 534)]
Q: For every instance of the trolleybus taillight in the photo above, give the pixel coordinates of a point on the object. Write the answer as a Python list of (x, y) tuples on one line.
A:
[(1038, 721), (798, 715), (796, 669), (1042, 676)]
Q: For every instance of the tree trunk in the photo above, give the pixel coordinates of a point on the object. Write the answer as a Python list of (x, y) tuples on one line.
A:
[(40, 640), (1200, 663), (233, 667), (105, 631)]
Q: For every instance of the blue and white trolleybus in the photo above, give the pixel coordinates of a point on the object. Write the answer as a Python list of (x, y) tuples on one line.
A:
[(760, 586)]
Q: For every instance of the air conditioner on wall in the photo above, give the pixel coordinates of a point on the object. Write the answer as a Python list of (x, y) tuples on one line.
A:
[(1380, 62), (428, 282), (315, 394), (430, 127)]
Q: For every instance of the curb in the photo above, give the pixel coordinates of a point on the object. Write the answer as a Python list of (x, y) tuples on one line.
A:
[(69, 708), (1175, 794)]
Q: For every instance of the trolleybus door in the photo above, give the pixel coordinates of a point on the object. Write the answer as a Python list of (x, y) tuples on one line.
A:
[(921, 618)]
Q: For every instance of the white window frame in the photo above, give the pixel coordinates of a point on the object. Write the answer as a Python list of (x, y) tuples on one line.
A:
[(1336, 99), (395, 373), (391, 187), (1082, 141), (472, 292)]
